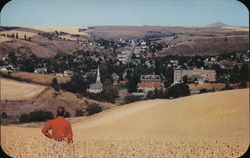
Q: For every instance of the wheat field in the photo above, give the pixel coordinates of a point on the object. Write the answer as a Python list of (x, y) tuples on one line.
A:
[(40, 78), (206, 125), (14, 90)]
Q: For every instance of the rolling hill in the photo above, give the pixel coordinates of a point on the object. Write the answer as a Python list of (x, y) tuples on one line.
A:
[(219, 114), (213, 39), (205, 125), (21, 97)]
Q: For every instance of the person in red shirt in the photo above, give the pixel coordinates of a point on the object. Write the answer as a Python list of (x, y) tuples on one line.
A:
[(61, 128)]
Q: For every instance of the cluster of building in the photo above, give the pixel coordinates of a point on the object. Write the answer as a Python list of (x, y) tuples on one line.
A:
[(200, 75), (126, 54), (152, 82), (8, 67)]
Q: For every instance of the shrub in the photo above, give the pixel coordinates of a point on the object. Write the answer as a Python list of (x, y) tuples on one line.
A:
[(203, 90), (150, 95), (4, 115), (131, 98), (67, 114), (93, 108), (243, 84), (227, 87), (110, 94), (178, 90), (78, 112), (55, 85), (37, 115)]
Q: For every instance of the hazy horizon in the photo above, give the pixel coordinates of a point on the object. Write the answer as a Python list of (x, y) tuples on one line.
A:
[(61, 13)]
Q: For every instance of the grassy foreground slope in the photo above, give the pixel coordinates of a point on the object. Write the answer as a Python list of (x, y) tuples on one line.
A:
[(206, 125), (220, 114)]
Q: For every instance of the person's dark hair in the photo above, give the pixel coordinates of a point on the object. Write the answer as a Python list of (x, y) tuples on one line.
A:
[(60, 111)]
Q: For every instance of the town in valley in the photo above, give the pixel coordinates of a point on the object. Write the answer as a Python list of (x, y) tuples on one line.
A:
[(118, 70)]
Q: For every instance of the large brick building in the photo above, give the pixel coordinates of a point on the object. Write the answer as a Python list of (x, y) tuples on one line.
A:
[(150, 82), (200, 74)]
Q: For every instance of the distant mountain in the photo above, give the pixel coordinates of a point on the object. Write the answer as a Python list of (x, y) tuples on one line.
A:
[(219, 23)]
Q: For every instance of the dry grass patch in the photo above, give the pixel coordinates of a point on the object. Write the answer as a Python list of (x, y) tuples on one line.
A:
[(14, 90), (69, 29), (40, 78), (5, 39), (21, 34)]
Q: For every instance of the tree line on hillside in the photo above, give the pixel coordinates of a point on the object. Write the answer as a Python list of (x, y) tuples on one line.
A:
[(43, 115), (16, 36), (175, 91)]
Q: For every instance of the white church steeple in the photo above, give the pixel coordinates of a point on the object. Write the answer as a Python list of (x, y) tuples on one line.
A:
[(98, 77)]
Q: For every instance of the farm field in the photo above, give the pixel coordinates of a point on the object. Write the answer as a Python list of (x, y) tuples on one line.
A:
[(215, 86), (21, 34), (206, 125), (40, 78), (22, 97), (14, 90), (70, 29)]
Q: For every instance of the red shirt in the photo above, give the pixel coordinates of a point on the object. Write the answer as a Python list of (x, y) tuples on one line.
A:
[(60, 127)]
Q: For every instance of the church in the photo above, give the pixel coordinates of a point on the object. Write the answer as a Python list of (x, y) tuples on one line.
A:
[(97, 86)]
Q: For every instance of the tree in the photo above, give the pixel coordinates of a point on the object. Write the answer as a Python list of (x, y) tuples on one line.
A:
[(13, 58), (218, 70), (150, 95), (93, 108), (91, 78), (169, 77), (110, 94), (243, 84), (28, 65), (57, 34), (4, 115), (37, 115), (227, 87), (235, 75), (204, 90), (67, 114), (25, 38), (131, 98), (77, 84), (156, 93), (78, 112), (161, 93), (244, 73), (178, 90), (54, 84), (107, 83), (17, 35), (185, 79)]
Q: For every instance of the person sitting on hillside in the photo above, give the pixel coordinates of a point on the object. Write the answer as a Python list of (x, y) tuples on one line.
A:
[(61, 128)]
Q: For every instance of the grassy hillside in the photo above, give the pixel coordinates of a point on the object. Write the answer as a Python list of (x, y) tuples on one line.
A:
[(14, 90), (218, 114), (192, 40), (206, 125), (21, 97)]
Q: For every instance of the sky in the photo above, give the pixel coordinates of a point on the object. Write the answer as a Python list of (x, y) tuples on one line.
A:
[(48, 13)]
